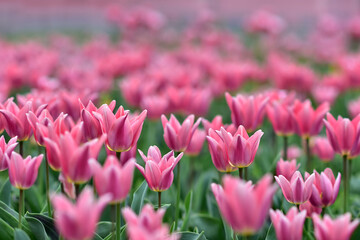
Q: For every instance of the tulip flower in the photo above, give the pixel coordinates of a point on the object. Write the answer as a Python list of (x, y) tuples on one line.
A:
[(294, 152), (78, 221), (244, 206), (279, 114), (248, 111), (6, 149), (122, 130), (113, 178), (310, 209), (196, 143), (68, 187), (286, 168), (148, 225), (325, 188), (354, 107), (321, 147), (340, 228), (178, 136), (289, 226), (92, 128), (296, 191)]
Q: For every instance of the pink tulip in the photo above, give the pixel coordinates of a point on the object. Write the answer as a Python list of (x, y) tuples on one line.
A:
[(244, 206), (322, 148), (310, 209), (308, 121), (279, 114), (248, 111), (289, 226), (340, 228), (216, 124), (323, 93), (196, 143), (293, 152), (23, 172), (354, 107), (113, 178), (158, 171), (178, 136), (286, 168), (155, 105), (325, 188), (296, 191), (148, 225), (68, 187), (78, 221), (344, 135), (122, 130), (92, 128), (6, 149)]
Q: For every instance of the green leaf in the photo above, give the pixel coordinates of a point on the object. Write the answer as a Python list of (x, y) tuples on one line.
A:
[(6, 231), (138, 197), (11, 217), (212, 227), (103, 228), (33, 199), (5, 192), (20, 235), (192, 236), (48, 224), (97, 237), (37, 228), (271, 235), (188, 206)]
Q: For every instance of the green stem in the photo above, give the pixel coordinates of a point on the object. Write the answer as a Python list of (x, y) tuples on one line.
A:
[(21, 148), (118, 221), (21, 206), (118, 155), (234, 236), (241, 173), (113, 218), (77, 190), (47, 186), (246, 177), (285, 150), (349, 179), (346, 181), (159, 202), (308, 155), (177, 209)]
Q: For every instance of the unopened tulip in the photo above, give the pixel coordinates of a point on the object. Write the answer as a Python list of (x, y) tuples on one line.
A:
[(78, 221), (322, 148), (279, 114), (122, 130), (23, 172), (325, 188), (148, 225), (217, 123), (158, 171), (196, 143), (248, 111), (296, 191), (286, 168), (113, 178), (178, 136), (289, 226), (6, 149), (244, 206), (340, 228)]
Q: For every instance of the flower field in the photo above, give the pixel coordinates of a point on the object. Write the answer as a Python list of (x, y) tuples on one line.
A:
[(197, 132)]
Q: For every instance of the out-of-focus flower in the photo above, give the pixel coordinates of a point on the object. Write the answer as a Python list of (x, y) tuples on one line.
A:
[(310, 209), (158, 171), (343, 135), (325, 188), (216, 124), (248, 111), (354, 107), (78, 221), (196, 143), (294, 152), (321, 147), (325, 93), (155, 106), (178, 136), (113, 178), (244, 206), (279, 114), (69, 187), (286, 168), (296, 191), (6, 149), (23, 172), (148, 225), (340, 228), (265, 22), (289, 226)]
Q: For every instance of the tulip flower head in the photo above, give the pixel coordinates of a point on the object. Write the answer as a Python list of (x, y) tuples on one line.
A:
[(325, 188), (310, 209), (6, 149), (279, 114), (158, 171), (286, 168), (148, 225), (23, 172), (340, 228), (321, 147), (289, 226), (296, 190), (113, 178), (196, 143), (244, 206), (178, 136), (78, 221)]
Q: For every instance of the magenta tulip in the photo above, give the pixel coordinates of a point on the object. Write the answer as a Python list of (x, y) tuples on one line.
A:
[(6, 149), (286, 168)]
